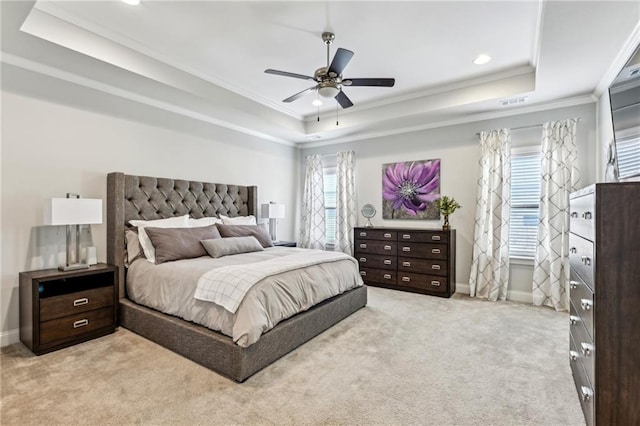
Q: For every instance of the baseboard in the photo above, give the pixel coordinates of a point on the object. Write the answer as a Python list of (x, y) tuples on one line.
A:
[(9, 337), (512, 295)]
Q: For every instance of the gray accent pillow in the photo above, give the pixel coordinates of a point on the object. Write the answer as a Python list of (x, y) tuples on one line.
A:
[(261, 232), (180, 243), (233, 245), (133, 248)]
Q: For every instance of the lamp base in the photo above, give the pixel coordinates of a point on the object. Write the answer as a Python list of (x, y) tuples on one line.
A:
[(73, 267)]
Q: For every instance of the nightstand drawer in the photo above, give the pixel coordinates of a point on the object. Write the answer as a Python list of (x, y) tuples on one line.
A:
[(81, 301), (75, 325)]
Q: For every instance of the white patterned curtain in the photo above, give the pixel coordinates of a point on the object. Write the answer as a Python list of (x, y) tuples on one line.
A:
[(490, 261), (312, 224), (345, 202), (560, 175)]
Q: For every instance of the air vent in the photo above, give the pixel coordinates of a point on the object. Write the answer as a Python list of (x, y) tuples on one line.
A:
[(513, 101)]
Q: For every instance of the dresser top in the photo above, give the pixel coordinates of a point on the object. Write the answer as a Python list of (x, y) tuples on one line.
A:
[(401, 229)]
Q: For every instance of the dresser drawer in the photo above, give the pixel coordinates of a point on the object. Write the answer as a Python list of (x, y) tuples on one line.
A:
[(72, 303), (377, 261), (581, 257), (381, 276), (586, 391), (583, 301), (425, 266), (376, 234), (375, 247), (584, 346), (75, 325), (424, 237), (583, 216), (425, 250), (422, 281)]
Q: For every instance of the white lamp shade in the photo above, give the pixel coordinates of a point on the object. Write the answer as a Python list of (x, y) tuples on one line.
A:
[(73, 211), (273, 211)]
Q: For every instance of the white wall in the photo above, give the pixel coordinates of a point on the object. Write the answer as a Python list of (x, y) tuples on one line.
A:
[(57, 138), (457, 147)]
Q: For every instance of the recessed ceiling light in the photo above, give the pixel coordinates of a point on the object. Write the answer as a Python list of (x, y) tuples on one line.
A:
[(132, 2), (482, 59), (316, 102)]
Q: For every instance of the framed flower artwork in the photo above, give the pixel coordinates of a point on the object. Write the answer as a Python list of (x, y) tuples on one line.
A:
[(409, 190)]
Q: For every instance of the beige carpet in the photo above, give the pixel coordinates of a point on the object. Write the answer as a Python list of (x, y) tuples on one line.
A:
[(404, 359)]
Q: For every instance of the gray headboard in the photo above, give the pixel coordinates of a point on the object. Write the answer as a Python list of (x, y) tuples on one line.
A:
[(142, 197)]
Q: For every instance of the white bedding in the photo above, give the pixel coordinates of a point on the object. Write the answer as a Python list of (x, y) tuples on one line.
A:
[(170, 288)]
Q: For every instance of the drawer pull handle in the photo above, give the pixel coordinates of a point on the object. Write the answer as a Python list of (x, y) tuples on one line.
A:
[(81, 323), (387, 247), (406, 263), (387, 276), (574, 214), (363, 234), (435, 283), (586, 215), (586, 260), (573, 250), (406, 236), (435, 251), (363, 259), (587, 348), (406, 279), (436, 267), (364, 246), (387, 235), (586, 393), (80, 302), (573, 320), (435, 237), (387, 262), (573, 285), (363, 273), (406, 248), (586, 304), (573, 356)]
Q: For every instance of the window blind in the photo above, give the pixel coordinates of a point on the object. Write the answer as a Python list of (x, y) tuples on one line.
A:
[(628, 154), (330, 188), (525, 202)]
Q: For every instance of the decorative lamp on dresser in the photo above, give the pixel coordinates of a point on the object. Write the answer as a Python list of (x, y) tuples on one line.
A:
[(604, 252), (416, 260)]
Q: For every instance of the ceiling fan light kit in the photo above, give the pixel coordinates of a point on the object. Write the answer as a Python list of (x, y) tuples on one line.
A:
[(329, 80)]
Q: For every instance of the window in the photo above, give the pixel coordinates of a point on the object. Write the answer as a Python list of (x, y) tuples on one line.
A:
[(628, 154), (525, 202), (330, 184)]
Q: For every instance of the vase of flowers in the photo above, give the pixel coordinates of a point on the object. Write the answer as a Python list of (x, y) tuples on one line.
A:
[(447, 206)]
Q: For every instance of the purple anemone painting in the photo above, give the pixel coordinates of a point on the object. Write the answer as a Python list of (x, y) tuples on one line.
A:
[(409, 190)]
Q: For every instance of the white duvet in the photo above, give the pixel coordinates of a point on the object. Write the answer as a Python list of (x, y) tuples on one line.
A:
[(170, 288)]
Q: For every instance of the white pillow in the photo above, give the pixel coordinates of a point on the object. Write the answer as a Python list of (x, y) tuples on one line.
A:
[(145, 242), (204, 221), (239, 220)]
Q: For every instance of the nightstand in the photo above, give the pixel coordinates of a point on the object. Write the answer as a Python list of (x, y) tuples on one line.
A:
[(285, 244), (63, 308)]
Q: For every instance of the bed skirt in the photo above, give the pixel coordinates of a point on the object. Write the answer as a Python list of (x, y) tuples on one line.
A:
[(219, 353)]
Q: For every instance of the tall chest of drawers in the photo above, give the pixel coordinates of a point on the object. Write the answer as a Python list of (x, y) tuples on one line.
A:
[(604, 341), (416, 260)]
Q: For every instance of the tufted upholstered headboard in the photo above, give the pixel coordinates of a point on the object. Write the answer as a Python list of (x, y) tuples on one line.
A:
[(142, 197)]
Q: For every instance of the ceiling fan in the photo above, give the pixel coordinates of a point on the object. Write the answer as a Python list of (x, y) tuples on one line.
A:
[(329, 79)]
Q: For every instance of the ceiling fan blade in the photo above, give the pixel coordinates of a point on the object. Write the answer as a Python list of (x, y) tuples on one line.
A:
[(343, 100), (289, 74), (300, 94), (340, 61), (380, 82)]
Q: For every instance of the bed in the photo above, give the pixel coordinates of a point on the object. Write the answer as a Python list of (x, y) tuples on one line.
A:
[(132, 197)]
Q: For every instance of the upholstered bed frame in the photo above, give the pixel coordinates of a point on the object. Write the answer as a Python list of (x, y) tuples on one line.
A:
[(139, 197)]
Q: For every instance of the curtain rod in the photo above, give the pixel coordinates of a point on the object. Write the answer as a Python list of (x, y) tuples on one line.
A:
[(533, 126)]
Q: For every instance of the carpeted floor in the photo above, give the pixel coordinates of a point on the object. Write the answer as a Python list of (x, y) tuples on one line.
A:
[(404, 359)]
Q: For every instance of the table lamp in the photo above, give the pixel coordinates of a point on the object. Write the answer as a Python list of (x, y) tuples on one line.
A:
[(273, 211)]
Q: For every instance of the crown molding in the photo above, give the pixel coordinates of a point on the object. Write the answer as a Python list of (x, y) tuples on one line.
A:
[(633, 41), (537, 37)]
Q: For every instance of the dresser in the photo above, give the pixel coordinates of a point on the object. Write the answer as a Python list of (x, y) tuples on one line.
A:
[(604, 341), (416, 260)]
